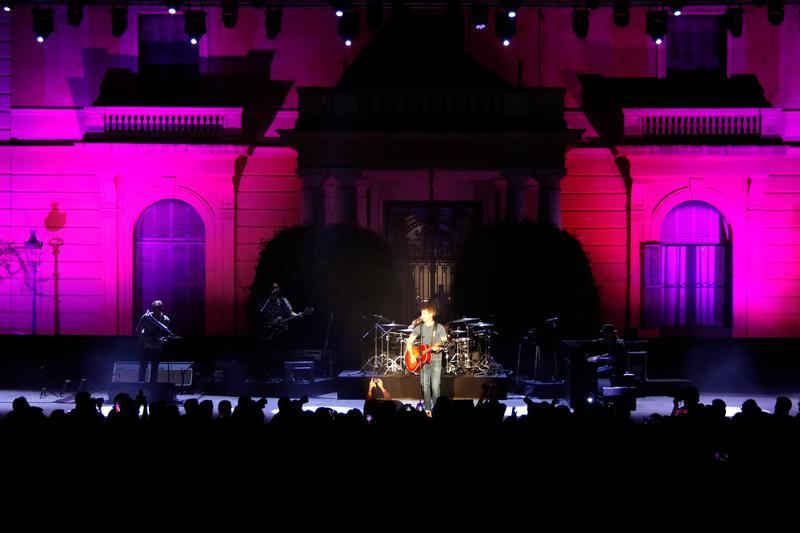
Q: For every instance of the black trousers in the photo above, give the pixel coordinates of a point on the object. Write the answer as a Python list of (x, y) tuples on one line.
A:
[(152, 356)]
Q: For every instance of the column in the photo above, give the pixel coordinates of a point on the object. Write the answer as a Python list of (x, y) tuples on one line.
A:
[(346, 204), (550, 197), (516, 187), (313, 210)]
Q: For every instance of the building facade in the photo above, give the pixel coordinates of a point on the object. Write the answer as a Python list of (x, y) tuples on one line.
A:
[(150, 168)]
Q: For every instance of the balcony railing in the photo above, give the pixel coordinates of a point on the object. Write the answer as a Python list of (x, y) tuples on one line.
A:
[(178, 121), (688, 124)]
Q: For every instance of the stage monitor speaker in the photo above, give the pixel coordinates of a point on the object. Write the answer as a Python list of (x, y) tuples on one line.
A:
[(177, 373), (299, 371), (127, 372)]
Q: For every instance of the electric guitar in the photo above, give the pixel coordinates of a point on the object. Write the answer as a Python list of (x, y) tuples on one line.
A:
[(420, 356), (279, 324)]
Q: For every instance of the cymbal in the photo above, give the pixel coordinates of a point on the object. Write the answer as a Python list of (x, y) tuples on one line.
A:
[(482, 325), (458, 331), (406, 330), (391, 325), (464, 319)]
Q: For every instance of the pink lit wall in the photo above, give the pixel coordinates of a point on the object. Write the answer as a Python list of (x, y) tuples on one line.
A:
[(101, 190)]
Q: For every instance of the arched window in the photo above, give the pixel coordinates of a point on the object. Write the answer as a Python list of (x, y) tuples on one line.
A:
[(169, 246), (687, 275)]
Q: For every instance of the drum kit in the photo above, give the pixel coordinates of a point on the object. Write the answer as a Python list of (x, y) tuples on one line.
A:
[(469, 352)]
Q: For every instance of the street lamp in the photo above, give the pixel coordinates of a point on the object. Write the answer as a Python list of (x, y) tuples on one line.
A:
[(33, 254)]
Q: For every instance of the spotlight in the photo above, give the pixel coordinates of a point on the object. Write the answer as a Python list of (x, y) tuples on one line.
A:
[(505, 28), (656, 25), (173, 6), (8, 5), (43, 24), (119, 20), (580, 22), (374, 14), (511, 7), (732, 20), (230, 13), (480, 15), (348, 26), (622, 13), (775, 12), (194, 24), (676, 6), (273, 22), (74, 12), (340, 6)]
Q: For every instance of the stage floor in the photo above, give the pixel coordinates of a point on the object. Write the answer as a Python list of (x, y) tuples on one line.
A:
[(645, 406)]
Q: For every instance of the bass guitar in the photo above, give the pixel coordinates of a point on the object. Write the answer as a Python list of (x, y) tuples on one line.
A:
[(279, 324)]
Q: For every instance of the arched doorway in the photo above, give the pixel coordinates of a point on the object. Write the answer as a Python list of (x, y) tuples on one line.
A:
[(687, 276), (169, 259)]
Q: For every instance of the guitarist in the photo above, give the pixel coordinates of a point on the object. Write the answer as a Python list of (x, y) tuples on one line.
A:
[(275, 311), (434, 335), (153, 331)]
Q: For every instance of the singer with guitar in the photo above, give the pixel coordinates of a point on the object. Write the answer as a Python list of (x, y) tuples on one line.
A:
[(433, 338), (153, 331), (276, 313)]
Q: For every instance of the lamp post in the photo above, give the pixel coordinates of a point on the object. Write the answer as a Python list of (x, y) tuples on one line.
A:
[(33, 254)]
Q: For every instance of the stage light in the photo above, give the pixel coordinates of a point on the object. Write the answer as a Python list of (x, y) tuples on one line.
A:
[(480, 15), (732, 20), (119, 20), (173, 6), (194, 24), (340, 6), (580, 22), (511, 7), (43, 24), (273, 22), (505, 28), (622, 13), (775, 12), (74, 12), (8, 5), (349, 26), (230, 13), (676, 6), (656, 25), (374, 14)]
